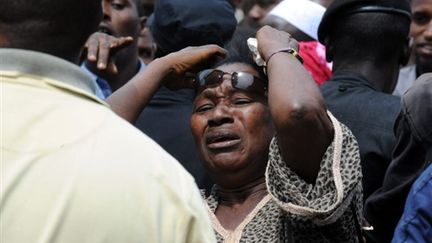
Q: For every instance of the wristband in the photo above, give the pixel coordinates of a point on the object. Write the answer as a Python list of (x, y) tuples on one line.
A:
[(286, 50)]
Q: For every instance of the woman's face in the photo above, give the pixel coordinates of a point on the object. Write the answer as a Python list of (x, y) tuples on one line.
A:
[(232, 128)]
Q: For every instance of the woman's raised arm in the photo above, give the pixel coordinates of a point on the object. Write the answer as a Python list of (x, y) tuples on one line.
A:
[(304, 130), (130, 100)]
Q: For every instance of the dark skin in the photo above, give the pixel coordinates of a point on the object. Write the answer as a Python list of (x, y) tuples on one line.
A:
[(237, 162), (120, 19), (235, 205), (101, 47), (26, 25), (170, 70), (258, 10), (421, 32), (373, 72), (243, 120), (130, 100), (296, 105), (146, 45), (383, 75), (233, 128)]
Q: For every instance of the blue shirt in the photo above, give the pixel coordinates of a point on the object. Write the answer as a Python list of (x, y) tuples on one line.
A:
[(416, 222), (103, 89)]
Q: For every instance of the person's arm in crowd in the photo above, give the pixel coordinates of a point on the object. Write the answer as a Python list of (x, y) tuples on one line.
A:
[(304, 130), (314, 167), (170, 70), (100, 48)]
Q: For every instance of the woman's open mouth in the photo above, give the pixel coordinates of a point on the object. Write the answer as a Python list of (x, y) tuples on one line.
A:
[(222, 140)]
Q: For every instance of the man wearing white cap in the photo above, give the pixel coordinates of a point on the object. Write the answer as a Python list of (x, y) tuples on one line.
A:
[(301, 18)]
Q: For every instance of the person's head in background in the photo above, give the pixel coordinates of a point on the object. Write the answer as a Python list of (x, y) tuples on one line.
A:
[(146, 45), (367, 37), (300, 18), (421, 32), (281, 24), (120, 19), (56, 27), (256, 10), (177, 24)]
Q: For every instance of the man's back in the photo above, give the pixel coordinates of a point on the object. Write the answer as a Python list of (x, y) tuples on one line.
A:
[(367, 42), (72, 171), (370, 115)]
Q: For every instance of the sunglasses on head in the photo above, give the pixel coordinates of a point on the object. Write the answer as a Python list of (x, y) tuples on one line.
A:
[(239, 80)]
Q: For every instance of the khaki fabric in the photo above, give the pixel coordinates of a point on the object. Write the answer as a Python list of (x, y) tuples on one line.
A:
[(74, 172)]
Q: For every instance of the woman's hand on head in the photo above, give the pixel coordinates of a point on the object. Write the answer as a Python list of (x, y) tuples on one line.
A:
[(101, 49), (270, 40), (190, 60), (129, 100)]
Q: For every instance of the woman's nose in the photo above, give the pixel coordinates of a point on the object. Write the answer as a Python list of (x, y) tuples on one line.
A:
[(220, 115)]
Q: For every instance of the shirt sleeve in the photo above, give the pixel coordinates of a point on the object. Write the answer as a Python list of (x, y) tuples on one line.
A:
[(337, 187), (416, 222)]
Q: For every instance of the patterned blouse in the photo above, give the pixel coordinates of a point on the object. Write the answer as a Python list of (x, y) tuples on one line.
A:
[(295, 211)]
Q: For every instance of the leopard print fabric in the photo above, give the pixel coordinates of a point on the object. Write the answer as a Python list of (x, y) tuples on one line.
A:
[(328, 211)]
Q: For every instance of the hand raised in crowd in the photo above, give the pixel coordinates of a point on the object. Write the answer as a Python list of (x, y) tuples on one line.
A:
[(190, 60), (271, 40), (296, 104), (101, 49), (170, 70)]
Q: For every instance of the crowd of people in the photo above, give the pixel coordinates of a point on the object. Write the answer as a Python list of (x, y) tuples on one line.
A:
[(216, 121)]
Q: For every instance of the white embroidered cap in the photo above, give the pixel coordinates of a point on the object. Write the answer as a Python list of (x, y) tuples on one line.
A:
[(303, 14)]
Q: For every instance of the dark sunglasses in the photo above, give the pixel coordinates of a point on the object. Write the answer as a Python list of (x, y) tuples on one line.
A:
[(239, 80)]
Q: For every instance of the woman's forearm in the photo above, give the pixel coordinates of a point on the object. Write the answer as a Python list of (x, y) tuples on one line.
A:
[(130, 100)]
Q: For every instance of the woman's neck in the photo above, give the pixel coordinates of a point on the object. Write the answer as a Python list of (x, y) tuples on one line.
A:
[(256, 189)]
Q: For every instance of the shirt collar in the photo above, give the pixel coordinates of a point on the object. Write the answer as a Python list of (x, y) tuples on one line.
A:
[(99, 91), (45, 65), (352, 79), (103, 89)]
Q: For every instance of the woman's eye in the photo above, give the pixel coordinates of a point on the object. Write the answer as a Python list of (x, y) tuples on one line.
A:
[(242, 101), (204, 108)]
